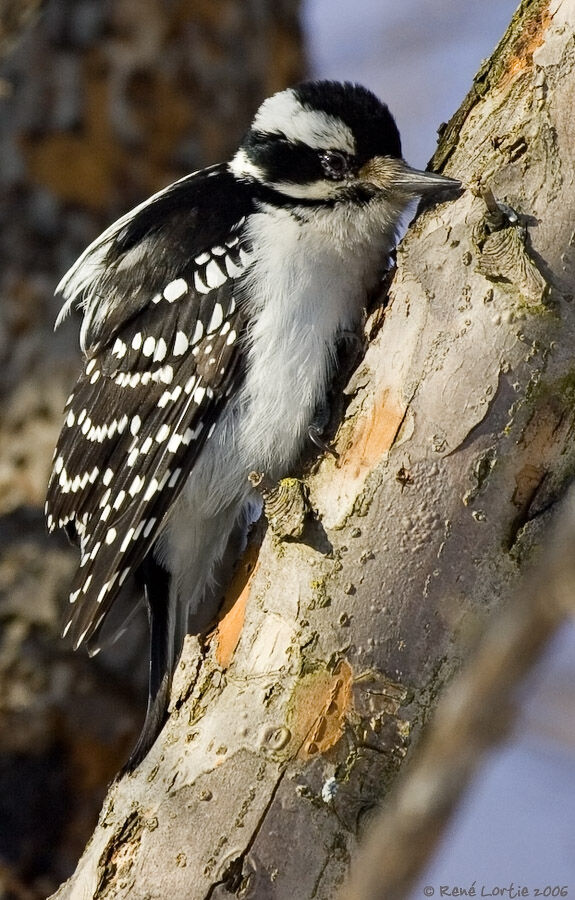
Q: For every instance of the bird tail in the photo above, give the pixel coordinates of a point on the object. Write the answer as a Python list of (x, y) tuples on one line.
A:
[(164, 654)]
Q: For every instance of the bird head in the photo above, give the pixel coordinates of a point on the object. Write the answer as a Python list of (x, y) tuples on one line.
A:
[(325, 142)]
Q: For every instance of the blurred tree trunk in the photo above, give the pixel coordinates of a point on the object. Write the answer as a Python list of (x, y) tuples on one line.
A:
[(292, 720), (101, 105)]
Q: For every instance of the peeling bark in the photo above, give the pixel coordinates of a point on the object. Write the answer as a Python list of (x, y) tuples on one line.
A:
[(291, 721)]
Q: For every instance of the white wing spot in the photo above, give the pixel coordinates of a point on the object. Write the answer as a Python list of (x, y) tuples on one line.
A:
[(137, 341), (149, 346), (152, 488), (202, 259), (70, 419), (175, 289), (181, 343), (231, 337), (149, 527), (110, 535), (119, 348), (118, 502), (166, 375), (138, 530), (161, 350), (191, 435), (199, 394), (127, 539), (214, 275), (200, 285), (198, 332), (103, 592), (135, 424), (163, 433), (90, 367), (107, 476), (174, 443), (136, 485)]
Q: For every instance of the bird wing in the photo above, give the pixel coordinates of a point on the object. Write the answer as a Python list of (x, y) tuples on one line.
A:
[(162, 332)]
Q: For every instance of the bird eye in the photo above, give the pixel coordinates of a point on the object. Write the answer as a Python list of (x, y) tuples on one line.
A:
[(335, 164)]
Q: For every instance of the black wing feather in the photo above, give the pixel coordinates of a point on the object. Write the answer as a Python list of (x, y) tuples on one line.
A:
[(160, 364)]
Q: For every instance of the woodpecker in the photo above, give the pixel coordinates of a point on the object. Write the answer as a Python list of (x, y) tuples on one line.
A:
[(211, 315)]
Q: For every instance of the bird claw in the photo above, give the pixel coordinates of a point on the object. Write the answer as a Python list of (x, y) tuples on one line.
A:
[(314, 434)]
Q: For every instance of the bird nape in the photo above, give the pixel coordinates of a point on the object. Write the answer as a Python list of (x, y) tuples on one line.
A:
[(210, 316)]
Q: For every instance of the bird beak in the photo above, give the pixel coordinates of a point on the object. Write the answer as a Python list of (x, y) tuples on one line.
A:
[(394, 174)]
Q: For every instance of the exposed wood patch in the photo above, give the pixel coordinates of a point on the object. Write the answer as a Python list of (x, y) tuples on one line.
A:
[(374, 435), (230, 625), (318, 709), (528, 41)]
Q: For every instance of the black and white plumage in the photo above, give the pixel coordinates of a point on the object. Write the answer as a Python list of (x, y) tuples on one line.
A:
[(211, 314)]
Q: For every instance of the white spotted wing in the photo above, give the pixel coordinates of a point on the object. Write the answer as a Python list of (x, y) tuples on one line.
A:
[(163, 336)]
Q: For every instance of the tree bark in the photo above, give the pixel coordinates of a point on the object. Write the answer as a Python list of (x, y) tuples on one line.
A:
[(290, 723)]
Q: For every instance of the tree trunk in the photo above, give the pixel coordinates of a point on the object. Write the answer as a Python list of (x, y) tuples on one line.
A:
[(290, 723)]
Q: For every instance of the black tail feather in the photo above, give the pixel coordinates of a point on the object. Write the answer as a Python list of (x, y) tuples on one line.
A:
[(162, 657)]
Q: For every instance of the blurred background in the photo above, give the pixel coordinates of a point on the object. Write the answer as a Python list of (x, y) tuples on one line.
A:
[(103, 103)]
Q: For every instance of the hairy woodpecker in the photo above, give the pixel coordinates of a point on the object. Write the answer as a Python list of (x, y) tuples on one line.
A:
[(211, 314)]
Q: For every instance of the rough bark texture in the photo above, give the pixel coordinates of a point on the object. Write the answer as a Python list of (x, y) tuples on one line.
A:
[(477, 712), (290, 723), (100, 105)]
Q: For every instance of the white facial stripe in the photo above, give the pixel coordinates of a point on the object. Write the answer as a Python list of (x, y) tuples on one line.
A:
[(242, 166), (314, 190), (283, 113)]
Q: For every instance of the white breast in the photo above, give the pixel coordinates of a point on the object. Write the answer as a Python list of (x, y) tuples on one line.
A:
[(309, 283)]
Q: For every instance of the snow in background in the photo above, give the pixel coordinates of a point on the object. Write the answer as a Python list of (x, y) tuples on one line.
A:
[(516, 824)]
